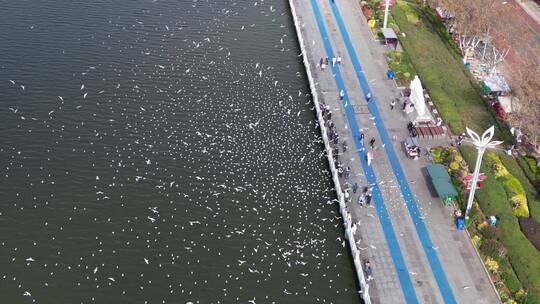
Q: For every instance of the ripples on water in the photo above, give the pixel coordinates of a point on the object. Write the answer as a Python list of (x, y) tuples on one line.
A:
[(162, 152)]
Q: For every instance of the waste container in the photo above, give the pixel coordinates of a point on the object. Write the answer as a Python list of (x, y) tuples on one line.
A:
[(460, 223)]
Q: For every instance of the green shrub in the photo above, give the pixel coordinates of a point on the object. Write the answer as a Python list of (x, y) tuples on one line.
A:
[(531, 162), (532, 176), (490, 232), (436, 154), (492, 248), (509, 278)]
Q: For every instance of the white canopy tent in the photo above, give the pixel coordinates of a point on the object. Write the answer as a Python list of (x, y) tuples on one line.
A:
[(418, 100)]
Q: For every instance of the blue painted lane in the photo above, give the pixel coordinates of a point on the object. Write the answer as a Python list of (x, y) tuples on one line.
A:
[(384, 218), (410, 201)]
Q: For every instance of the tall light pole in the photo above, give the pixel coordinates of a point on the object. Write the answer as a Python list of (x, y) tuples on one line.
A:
[(386, 8), (481, 145)]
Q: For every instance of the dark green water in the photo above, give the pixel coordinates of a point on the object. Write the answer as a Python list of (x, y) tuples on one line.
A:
[(161, 152)]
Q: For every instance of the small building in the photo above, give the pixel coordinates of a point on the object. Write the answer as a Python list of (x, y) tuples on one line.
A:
[(390, 36)]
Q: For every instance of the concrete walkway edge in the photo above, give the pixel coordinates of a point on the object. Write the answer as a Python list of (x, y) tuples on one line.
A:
[(364, 287)]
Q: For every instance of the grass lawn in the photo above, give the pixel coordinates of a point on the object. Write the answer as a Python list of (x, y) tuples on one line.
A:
[(441, 72), (493, 200)]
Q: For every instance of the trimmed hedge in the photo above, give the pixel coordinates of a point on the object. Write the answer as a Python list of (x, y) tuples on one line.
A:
[(523, 256), (514, 191), (515, 168)]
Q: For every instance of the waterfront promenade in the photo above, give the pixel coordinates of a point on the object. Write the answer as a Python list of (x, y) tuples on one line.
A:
[(415, 251)]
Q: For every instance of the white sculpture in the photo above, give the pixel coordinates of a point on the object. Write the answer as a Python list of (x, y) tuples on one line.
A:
[(481, 145)]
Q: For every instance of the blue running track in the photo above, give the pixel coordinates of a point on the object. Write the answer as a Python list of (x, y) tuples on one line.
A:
[(384, 218), (412, 207)]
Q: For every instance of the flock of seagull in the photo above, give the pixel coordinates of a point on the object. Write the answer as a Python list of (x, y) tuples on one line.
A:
[(174, 172)]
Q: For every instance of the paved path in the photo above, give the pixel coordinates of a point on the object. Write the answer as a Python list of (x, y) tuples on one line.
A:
[(416, 253)]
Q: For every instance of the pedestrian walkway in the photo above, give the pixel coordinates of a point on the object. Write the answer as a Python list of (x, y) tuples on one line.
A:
[(412, 206), (414, 251)]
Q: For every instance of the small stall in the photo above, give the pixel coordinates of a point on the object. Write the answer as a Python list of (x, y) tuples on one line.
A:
[(412, 148), (442, 183), (390, 37), (495, 85)]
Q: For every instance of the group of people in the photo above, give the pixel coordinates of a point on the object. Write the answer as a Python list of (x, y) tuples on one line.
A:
[(343, 171), (460, 139), (329, 124), (365, 196), (326, 61), (363, 199)]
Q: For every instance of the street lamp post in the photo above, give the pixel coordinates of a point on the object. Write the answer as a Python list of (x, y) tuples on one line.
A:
[(386, 9), (481, 145)]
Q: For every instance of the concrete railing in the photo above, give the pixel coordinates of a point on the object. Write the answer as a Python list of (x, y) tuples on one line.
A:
[(347, 218)]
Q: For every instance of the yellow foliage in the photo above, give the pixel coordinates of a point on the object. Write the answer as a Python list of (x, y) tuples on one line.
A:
[(499, 170), (496, 165), (491, 264), (410, 13), (519, 205), (476, 240)]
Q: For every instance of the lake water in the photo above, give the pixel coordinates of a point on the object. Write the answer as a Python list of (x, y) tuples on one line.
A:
[(162, 152)]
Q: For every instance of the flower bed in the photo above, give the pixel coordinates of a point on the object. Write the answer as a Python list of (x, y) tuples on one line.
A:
[(498, 245), (400, 63), (522, 256)]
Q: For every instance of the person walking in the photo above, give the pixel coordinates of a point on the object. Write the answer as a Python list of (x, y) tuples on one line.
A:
[(361, 199), (368, 96), (369, 271), (362, 137), (392, 104), (355, 187), (372, 142), (369, 157), (368, 198)]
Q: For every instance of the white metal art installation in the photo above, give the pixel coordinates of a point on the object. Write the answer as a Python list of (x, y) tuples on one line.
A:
[(481, 145)]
